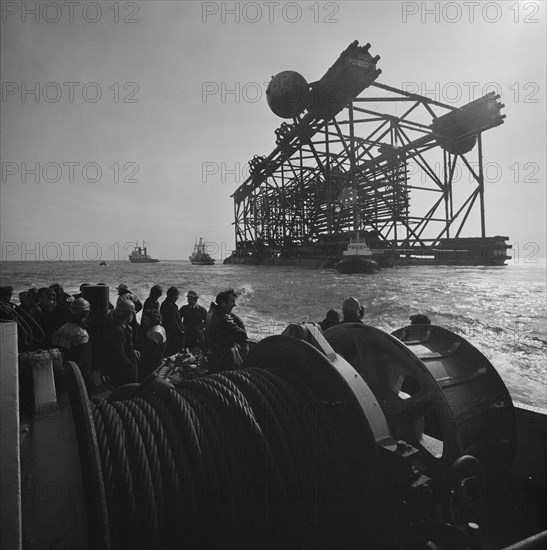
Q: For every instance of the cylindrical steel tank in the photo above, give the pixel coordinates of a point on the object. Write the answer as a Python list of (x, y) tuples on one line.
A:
[(288, 94), (97, 296)]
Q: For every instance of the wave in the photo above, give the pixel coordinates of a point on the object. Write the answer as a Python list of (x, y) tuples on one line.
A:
[(496, 310), (245, 289)]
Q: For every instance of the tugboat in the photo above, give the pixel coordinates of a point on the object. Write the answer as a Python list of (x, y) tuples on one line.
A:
[(357, 259), (139, 255), (199, 256)]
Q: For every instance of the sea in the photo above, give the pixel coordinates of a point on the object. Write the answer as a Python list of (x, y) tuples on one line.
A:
[(499, 310)]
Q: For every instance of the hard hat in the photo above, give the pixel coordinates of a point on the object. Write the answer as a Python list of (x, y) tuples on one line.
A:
[(79, 305), (192, 293), (122, 286)]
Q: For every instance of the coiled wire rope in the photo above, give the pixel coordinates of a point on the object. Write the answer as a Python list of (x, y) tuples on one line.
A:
[(239, 459)]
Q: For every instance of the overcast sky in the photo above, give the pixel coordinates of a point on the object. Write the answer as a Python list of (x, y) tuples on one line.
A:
[(124, 121)]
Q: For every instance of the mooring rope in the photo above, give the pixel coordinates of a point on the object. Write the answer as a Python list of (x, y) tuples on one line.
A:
[(229, 460)]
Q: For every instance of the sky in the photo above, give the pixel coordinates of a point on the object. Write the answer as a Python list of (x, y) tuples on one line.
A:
[(125, 121)]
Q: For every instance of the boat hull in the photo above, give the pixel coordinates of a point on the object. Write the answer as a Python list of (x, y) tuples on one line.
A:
[(242, 260), (356, 265), (200, 256), (143, 261), (202, 262)]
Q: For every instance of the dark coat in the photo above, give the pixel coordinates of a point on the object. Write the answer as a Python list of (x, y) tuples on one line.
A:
[(128, 295), (193, 322), (223, 332), (49, 322), (351, 318), (150, 303), (119, 358), (172, 324), (325, 324), (151, 344)]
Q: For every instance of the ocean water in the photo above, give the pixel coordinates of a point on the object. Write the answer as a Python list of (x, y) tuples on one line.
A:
[(499, 310)]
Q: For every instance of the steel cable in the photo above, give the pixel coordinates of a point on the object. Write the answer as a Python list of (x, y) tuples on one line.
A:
[(174, 505), (142, 478), (212, 509), (263, 405), (246, 437), (289, 415), (121, 500), (229, 460), (151, 450), (186, 490)]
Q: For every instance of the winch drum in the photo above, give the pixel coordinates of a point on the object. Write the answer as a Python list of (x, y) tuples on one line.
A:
[(437, 391)]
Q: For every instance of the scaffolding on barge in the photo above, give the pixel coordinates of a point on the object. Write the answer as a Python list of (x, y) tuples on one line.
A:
[(404, 177)]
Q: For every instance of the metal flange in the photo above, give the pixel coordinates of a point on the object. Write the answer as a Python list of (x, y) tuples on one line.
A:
[(415, 406)]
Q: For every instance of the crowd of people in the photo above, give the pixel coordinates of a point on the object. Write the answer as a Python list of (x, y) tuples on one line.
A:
[(117, 350)]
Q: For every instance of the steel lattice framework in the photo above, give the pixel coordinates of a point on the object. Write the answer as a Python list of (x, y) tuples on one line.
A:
[(407, 176)]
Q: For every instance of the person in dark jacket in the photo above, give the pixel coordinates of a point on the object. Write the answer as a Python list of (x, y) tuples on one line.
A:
[(33, 294), (62, 297), (172, 322), (152, 301), (120, 360), (45, 317), (27, 304), (125, 294), (193, 318), (151, 342), (420, 319), (60, 314), (332, 318), (227, 343), (352, 311)]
